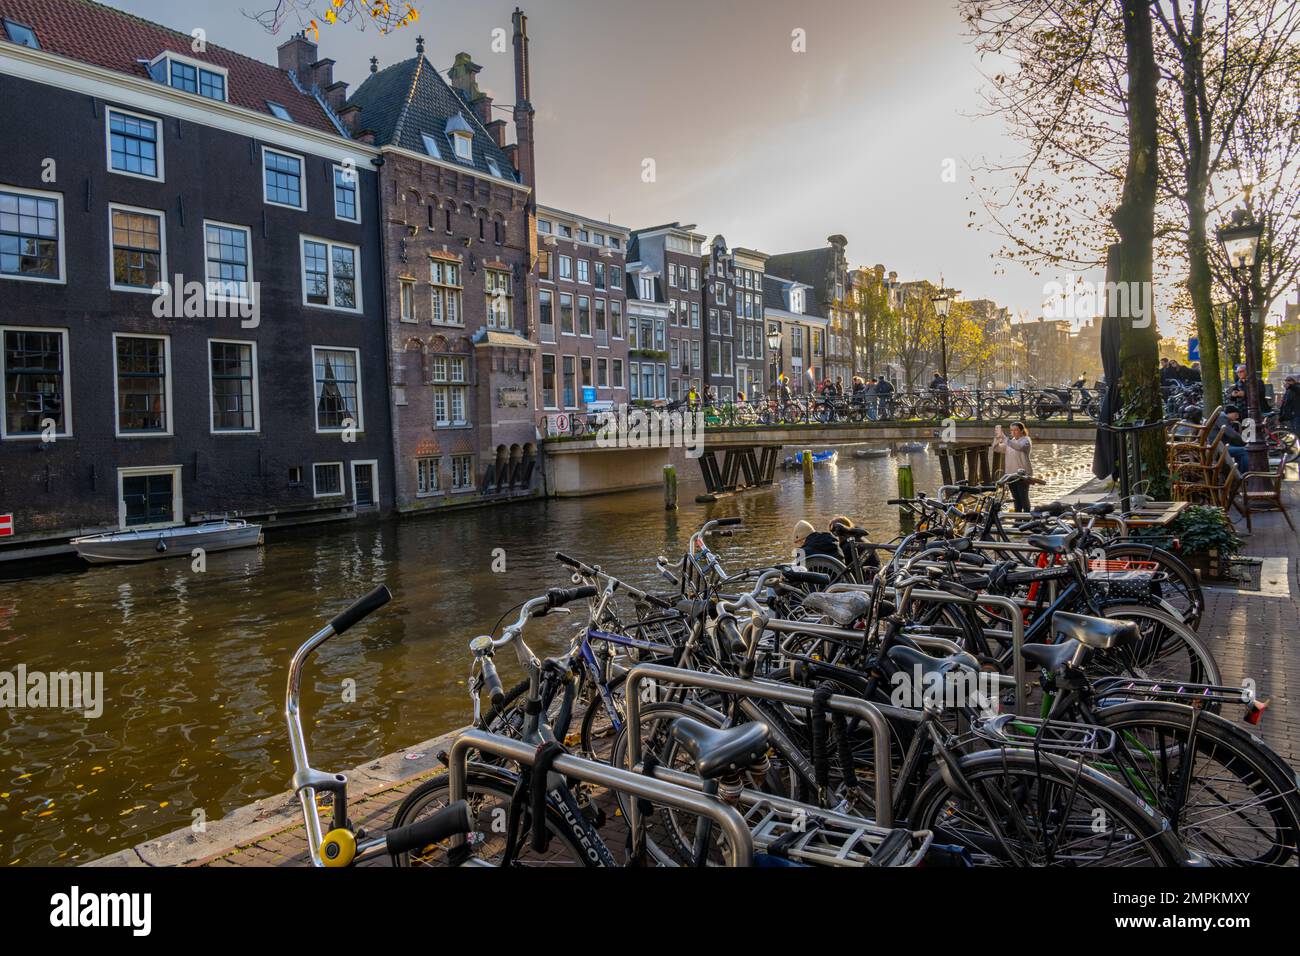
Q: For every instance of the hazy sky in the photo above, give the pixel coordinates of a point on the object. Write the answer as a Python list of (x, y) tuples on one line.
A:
[(772, 148)]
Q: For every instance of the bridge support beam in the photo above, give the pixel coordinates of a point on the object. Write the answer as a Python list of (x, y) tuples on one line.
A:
[(740, 470)]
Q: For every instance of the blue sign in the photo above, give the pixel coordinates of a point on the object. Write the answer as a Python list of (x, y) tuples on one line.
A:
[(1193, 350), (588, 394)]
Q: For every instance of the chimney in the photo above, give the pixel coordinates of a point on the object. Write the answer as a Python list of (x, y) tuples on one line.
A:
[(297, 54), (336, 94), (323, 73), (347, 115), (464, 77), (497, 129), (525, 159)]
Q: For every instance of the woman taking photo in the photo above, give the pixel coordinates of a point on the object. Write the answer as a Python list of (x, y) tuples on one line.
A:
[(1015, 449)]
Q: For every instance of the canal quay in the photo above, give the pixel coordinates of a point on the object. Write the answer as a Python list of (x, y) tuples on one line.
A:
[(194, 663)]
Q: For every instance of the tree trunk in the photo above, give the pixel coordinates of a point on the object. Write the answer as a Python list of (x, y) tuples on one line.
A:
[(1139, 354)]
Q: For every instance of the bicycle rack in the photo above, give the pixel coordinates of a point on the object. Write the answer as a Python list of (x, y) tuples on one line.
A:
[(798, 696), (613, 778)]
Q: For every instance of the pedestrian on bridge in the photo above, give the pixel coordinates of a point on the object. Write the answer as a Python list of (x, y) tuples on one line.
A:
[(1016, 450)]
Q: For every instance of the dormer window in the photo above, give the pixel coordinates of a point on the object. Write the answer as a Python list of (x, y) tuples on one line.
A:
[(462, 138), (21, 34), (494, 169), (431, 146), (647, 288), (192, 76), (278, 111)]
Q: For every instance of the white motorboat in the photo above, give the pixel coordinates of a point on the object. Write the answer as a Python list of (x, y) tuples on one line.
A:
[(177, 542)]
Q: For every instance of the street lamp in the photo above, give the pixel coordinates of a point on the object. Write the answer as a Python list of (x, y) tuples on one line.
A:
[(1240, 243), (942, 300), (774, 343)]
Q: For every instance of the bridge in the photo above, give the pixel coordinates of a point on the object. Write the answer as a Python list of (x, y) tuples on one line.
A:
[(734, 458)]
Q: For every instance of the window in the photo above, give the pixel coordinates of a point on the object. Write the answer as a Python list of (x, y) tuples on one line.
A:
[(544, 265), (327, 479), (295, 476), (142, 375), (585, 365), (345, 194), (493, 168), (445, 299), (497, 290), (584, 236), (602, 373), (566, 267), (462, 472), (566, 313), (602, 323), (618, 373), (149, 497), (647, 284), (229, 261), (329, 276), (232, 368), (584, 316), (546, 311), (464, 145), (35, 382), (431, 146), (634, 380), (616, 319), (600, 275), (31, 230), (544, 226), (695, 315), (337, 374), (566, 232), (672, 275), (584, 270), (134, 144), (548, 381), (21, 34), (192, 76), (570, 389), (616, 277), (449, 393), (426, 476), (278, 111), (282, 179), (139, 259), (406, 295)]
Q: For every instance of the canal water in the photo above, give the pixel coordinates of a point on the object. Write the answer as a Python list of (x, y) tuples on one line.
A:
[(194, 664)]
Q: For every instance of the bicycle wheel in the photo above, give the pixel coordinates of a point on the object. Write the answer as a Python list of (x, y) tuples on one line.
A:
[(1035, 809), (489, 797), (1180, 588), (1166, 649), (1240, 806)]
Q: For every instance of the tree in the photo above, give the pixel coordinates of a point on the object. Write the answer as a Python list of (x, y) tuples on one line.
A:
[(312, 14)]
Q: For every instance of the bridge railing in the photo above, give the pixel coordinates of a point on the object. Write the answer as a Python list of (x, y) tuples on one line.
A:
[(907, 405)]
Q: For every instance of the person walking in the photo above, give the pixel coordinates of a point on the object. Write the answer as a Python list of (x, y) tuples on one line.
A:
[(1016, 449), (1289, 412)]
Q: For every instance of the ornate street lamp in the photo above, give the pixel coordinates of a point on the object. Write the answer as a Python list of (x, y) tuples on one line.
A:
[(1240, 242), (774, 343), (942, 300)]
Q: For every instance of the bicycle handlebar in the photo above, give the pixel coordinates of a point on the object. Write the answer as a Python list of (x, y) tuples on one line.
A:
[(361, 608)]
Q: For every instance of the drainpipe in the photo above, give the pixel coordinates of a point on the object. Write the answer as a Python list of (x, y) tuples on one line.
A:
[(378, 163)]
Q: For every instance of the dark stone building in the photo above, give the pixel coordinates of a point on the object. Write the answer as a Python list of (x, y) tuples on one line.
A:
[(459, 253), (253, 385), (826, 270)]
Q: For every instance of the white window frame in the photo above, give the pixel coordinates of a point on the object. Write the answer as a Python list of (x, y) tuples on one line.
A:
[(62, 277), (198, 82), (541, 385), (178, 497), (356, 187), (208, 290), (466, 140), (435, 474), (163, 277), (302, 178), (329, 245), (257, 396), (343, 485), (361, 416), (67, 387), (167, 390), (108, 143), (373, 464)]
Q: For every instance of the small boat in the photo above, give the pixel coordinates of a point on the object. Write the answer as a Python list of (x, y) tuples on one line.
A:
[(178, 542), (911, 446), (870, 452), (827, 457)]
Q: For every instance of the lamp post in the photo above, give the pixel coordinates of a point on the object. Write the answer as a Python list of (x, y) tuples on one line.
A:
[(1240, 242), (942, 300), (774, 343)]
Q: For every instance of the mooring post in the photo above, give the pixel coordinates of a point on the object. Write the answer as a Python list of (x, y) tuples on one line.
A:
[(807, 467), (905, 490), (670, 487)]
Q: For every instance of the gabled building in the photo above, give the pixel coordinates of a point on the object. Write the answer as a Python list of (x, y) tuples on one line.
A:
[(673, 253), (459, 279), (802, 356), (826, 270), (582, 311), (190, 311)]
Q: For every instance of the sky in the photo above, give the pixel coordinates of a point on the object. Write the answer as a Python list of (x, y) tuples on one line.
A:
[(773, 147)]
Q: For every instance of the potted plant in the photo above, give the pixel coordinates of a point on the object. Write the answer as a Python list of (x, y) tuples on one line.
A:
[(1206, 540)]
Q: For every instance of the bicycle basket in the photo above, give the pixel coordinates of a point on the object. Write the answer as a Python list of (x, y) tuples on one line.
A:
[(1138, 586), (1057, 736)]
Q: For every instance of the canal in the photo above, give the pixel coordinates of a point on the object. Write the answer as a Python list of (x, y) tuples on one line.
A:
[(194, 664)]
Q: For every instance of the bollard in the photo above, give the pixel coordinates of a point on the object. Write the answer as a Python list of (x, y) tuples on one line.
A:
[(670, 487), (807, 467), (905, 490)]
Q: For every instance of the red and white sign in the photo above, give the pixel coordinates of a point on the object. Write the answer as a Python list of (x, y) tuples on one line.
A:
[(557, 424), (6, 526)]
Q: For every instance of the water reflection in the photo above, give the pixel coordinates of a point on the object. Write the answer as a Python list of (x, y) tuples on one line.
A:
[(194, 664)]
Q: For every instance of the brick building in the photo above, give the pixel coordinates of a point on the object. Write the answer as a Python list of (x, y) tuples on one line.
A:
[(459, 246), (672, 253), (582, 309), (826, 270), (189, 296)]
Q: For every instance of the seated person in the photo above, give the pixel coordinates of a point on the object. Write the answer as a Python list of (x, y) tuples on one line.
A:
[(811, 541), (1229, 429)]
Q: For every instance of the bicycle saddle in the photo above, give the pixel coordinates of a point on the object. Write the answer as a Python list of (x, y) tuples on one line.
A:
[(1055, 657), (842, 608), (1052, 543), (1098, 632), (717, 751), (912, 661)]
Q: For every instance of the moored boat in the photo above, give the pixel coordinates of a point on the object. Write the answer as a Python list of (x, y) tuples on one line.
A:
[(177, 542), (870, 452), (827, 457)]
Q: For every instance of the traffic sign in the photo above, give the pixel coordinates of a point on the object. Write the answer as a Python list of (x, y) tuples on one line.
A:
[(6, 526), (1193, 350)]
